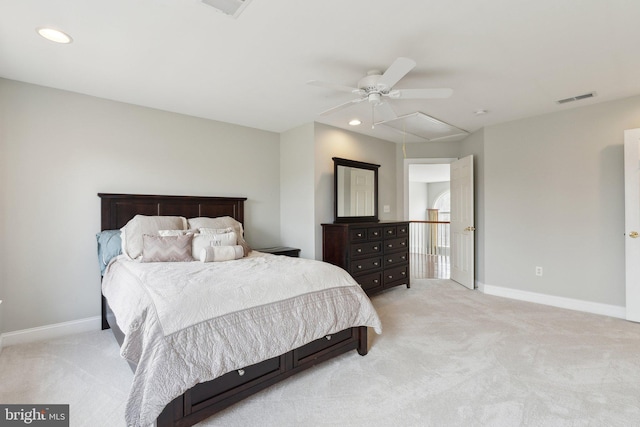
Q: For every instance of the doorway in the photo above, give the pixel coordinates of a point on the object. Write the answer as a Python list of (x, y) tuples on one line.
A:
[(427, 207)]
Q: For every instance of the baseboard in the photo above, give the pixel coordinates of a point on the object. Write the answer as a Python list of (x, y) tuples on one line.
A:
[(555, 301), (48, 332)]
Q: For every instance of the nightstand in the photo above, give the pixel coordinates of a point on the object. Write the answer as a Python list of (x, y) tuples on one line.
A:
[(281, 250)]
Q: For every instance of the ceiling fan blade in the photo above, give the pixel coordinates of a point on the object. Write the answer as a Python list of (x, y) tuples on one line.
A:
[(421, 93), (341, 106), (396, 71), (333, 86), (386, 112)]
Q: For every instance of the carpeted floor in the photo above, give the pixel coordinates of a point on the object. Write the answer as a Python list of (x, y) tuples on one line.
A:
[(447, 357)]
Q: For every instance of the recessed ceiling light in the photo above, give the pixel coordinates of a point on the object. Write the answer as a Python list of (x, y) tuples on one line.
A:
[(54, 35), (355, 122), (480, 112)]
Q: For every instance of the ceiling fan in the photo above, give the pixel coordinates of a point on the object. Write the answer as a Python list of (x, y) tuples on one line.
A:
[(376, 86)]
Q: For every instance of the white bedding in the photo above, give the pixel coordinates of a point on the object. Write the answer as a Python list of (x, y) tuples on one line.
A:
[(191, 322)]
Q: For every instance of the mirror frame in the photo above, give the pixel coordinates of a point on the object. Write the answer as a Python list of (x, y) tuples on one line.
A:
[(337, 161)]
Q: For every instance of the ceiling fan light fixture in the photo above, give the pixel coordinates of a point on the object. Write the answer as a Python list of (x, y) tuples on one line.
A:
[(355, 122), (374, 98), (54, 35)]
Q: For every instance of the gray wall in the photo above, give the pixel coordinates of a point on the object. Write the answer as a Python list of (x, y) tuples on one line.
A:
[(297, 198), (553, 197), (418, 200), (59, 149)]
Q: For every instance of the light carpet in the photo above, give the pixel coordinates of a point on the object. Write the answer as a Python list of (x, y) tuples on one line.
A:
[(447, 357)]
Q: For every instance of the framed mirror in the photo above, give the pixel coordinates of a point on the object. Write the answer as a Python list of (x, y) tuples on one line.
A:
[(355, 191)]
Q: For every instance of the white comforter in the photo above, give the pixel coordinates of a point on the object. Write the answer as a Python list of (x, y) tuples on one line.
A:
[(191, 322)]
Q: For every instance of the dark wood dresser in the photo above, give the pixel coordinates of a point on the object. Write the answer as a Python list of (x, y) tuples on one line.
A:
[(376, 254)]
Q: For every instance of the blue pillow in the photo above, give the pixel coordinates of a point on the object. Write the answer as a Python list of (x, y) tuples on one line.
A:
[(109, 246)]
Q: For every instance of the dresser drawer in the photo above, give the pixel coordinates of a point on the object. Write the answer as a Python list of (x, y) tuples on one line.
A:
[(390, 232), (395, 244), (358, 235), (395, 258), (402, 230), (367, 264), (374, 233), (365, 249), (395, 274), (370, 281)]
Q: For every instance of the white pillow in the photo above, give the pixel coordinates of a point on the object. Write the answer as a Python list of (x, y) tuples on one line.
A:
[(222, 222), (170, 233), (205, 239), (142, 224)]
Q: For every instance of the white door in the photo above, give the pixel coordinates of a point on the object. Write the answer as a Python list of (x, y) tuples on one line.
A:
[(462, 222), (632, 222)]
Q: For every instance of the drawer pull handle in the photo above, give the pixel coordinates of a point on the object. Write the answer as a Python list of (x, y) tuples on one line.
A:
[(389, 245), (375, 263), (403, 243), (359, 234), (375, 281), (390, 277), (403, 273), (359, 266), (359, 250), (328, 337), (241, 372), (375, 248), (375, 233), (389, 261)]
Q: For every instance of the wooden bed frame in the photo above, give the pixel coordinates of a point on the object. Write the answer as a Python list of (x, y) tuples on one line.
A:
[(205, 399)]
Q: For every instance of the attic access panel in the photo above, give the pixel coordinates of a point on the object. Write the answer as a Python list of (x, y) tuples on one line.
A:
[(424, 126)]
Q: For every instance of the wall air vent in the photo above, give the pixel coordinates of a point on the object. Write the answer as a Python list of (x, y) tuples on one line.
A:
[(232, 8), (576, 98)]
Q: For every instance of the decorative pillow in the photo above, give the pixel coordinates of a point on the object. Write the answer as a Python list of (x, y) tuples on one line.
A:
[(143, 224), (166, 233), (109, 246), (222, 222), (204, 239), (221, 253), (166, 248)]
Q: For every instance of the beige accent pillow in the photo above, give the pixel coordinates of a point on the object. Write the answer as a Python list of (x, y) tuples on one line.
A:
[(166, 248), (143, 224), (219, 223)]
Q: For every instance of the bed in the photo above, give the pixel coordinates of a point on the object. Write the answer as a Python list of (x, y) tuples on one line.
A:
[(196, 402)]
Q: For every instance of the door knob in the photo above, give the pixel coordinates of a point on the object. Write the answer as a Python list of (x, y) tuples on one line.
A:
[(470, 229), (633, 234)]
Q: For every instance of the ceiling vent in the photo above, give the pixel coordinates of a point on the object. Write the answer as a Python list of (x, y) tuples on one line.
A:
[(423, 126), (576, 98), (232, 8)]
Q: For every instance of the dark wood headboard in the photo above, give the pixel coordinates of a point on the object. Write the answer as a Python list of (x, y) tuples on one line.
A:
[(118, 209)]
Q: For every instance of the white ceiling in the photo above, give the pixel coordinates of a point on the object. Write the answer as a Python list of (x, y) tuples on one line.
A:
[(513, 58)]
